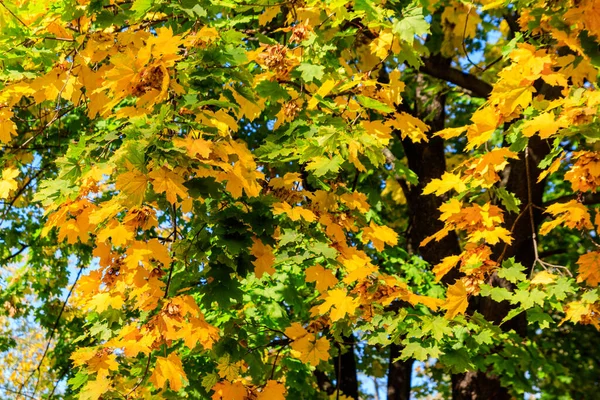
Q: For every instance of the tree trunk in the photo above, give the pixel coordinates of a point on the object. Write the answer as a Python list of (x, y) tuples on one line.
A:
[(428, 161), (475, 385), (521, 179), (399, 375), (345, 369)]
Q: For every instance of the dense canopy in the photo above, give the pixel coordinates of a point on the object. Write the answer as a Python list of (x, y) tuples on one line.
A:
[(223, 199)]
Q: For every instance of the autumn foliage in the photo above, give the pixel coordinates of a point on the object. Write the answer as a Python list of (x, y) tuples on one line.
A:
[(299, 199)]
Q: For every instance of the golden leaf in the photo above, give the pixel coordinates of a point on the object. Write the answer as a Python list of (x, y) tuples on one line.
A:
[(264, 258), (544, 124), (543, 278), (93, 390), (273, 390), (133, 183), (8, 182), (226, 390), (311, 350), (295, 331), (457, 300), (410, 127), (168, 182), (379, 236), (572, 214), (8, 129), (288, 181), (294, 213), (268, 14), (169, 369), (324, 278), (441, 269), (340, 304), (589, 268), (448, 181)]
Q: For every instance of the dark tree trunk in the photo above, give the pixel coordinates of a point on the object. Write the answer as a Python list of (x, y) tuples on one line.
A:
[(345, 369), (521, 179), (475, 385), (428, 161), (399, 375)]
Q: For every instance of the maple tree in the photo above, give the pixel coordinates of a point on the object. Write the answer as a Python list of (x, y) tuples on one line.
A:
[(270, 200)]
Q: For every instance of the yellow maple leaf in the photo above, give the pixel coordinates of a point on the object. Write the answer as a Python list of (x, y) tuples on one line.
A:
[(358, 266), (119, 234), (268, 14), (169, 369), (551, 169), (491, 236), (101, 301), (133, 341), (441, 269), (381, 46), (264, 258), (448, 181), (93, 390), (429, 302), (483, 171), (248, 109), (379, 236), (543, 278), (544, 124), (457, 300), (485, 121), (410, 127), (273, 390), (355, 201), (323, 91), (340, 304), (96, 360), (226, 390), (195, 147), (324, 278), (311, 350), (450, 133), (572, 214), (229, 370), (294, 213), (589, 268), (576, 310), (8, 129), (286, 182), (133, 184), (584, 175), (198, 330), (295, 331), (394, 190), (166, 181), (8, 182)]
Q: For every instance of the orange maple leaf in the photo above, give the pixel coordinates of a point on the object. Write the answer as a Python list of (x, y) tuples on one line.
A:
[(169, 369)]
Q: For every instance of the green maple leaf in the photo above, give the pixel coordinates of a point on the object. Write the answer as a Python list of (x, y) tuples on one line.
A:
[(511, 271), (413, 24), (311, 72)]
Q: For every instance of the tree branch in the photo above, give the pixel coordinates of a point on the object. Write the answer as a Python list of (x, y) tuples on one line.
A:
[(470, 82), (587, 199), (13, 255)]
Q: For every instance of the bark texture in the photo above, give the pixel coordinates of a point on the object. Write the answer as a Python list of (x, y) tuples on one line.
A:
[(399, 375), (345, 369)]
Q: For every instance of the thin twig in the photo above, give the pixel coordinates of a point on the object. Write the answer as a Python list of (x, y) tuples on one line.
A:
[(530, 204), (15, 254), (52, 332), (137, 385), (13, 14)]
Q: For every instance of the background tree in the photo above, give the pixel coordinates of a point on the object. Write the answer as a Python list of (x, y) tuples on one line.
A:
[(236, 200)]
